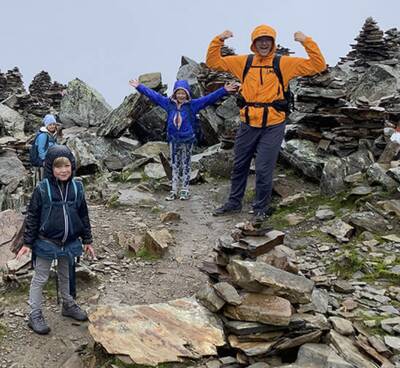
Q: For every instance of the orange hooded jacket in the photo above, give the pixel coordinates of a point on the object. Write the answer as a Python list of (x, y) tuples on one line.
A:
[(265, 88)]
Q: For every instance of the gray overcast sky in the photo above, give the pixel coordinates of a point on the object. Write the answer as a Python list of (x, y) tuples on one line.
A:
[(105, 43)]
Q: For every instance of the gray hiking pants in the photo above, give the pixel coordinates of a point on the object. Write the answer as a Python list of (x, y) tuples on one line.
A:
[(265, 144), (40, 277)]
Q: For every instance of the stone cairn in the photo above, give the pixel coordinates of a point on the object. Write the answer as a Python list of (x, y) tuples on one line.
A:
[(370, 46), (11, 83), (44, 96), (329, 108), (273, 314)]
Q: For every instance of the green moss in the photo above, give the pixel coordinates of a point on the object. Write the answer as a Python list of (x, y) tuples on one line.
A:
[(349, 263), (316, 234), (156, 209), (249, 195), (113, 201), (146, 255), (377, 330), (123, 176)]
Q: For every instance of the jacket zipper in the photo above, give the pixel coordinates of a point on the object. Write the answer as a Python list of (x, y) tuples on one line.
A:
[(66, 223)]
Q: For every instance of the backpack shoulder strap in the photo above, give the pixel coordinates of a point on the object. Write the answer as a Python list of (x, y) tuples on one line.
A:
[(47, 141), (46, 181), (277, 69), (247, 66), (78, 190), (75, 189)]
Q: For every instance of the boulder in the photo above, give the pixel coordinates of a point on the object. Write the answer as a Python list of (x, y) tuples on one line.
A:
[(377, 82), (339, 230), (228, 293), (120, 119), (158, 241), (11, 168), (158, 333), (151, 80), (302, 155), (151, 126), (368, 220), (86, 162), (211, 124), (11, 122), (83, 106), (152, 150), (210, 299), (215, 161), (132, 197), (320, 356), (269, 309), (190, 71), (377, 174), (154, 171), (345, 347), (264, 278)]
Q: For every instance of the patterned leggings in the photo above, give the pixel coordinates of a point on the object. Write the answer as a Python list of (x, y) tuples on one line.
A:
[(181, 155)]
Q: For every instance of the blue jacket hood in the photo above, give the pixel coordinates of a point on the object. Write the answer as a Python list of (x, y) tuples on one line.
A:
[(53, 153), (182, 84)]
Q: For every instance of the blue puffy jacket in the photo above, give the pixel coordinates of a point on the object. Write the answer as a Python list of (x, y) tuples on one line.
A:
[(188, 110)]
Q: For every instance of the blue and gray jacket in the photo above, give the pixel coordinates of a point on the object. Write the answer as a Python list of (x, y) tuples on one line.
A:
[(57, 211), (44, 141), (184, 133)]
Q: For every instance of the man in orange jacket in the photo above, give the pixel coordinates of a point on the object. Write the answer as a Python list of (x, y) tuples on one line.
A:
[(262, 115)]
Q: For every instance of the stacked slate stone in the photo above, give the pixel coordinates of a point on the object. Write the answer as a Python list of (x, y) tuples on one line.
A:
[(331, 108), (11, 83), (322, 115), (44, 98), (392, 40), (256, 298), (370, 46), (42, 89), (273, 314)]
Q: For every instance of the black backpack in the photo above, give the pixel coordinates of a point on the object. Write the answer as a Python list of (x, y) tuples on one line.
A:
[(287, 104), (33, 151)]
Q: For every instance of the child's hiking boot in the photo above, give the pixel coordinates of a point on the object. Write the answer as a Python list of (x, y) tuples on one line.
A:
[(184, 195), (74, 311), (227, 209), (37, 323), (171, 197)]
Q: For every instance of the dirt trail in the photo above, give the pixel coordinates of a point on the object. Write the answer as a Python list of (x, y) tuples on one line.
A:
[(127, 280)]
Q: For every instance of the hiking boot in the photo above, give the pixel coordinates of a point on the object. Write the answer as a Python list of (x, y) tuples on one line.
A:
[(37, 323), (171, 197), (261, 215), (184, 195), (74, 311), (226, 209)]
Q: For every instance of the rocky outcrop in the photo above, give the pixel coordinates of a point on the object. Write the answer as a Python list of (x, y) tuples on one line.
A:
[(82, 105)]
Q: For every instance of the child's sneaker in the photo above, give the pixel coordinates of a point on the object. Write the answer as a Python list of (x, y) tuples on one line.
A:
[(74, 311), (184, 195), (37, 323), (171, 197)]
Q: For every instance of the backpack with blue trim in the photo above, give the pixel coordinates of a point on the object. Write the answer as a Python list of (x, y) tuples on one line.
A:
[(34, 152)]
